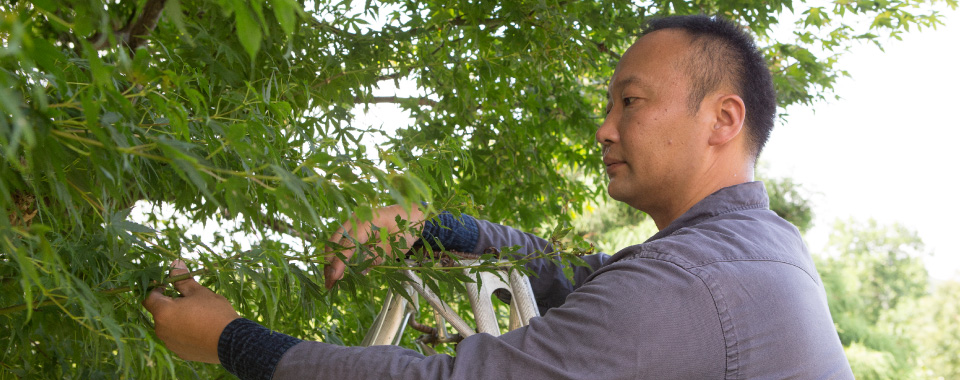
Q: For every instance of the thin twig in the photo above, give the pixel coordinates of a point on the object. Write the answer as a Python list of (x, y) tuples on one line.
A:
[(122, 289), (396, 100)]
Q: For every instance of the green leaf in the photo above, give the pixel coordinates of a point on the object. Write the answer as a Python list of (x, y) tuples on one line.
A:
[(173, 12), (136, 227), (248, 29), (48, 57), (29, 277), (309, 286), (101, 73), (286, 13), (189, 173)]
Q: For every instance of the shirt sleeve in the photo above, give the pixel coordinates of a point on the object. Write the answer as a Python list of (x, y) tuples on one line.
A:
[(450, 232), (550, 286), (465, 233), (252, 352), (626, 322)]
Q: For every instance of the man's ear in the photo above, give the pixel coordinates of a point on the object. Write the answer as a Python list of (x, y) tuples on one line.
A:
[(730, 115)]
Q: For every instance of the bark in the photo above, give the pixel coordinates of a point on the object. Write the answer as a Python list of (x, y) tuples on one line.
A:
[(134, 34), (146, 23)]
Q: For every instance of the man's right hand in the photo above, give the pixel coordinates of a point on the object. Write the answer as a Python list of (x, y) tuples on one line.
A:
[(362, 232)]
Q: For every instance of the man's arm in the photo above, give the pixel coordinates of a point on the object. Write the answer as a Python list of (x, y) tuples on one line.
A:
[(468, 234), (635, 319), (465, 233), (550, 286)]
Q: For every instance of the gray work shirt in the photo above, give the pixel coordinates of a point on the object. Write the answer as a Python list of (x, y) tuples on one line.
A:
[(726, 291)]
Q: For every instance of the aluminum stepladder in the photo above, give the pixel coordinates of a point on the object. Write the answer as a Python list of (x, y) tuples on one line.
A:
[(397, 312)]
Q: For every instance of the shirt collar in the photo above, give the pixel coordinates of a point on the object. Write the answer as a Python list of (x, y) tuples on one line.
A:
[(749, 195)]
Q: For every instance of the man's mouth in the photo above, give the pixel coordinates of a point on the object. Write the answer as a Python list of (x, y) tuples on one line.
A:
[(612, 164)]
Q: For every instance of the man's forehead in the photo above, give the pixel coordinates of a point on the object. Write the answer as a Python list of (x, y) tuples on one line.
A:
[(661, 47)]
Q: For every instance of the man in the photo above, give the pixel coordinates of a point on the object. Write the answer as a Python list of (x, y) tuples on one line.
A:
[(725, 289)]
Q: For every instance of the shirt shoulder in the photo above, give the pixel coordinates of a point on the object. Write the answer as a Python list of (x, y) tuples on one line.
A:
[(763, 287), (751, 235)]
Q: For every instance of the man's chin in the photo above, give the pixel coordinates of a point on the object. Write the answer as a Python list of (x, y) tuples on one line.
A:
[(627, 194), (616, 192)]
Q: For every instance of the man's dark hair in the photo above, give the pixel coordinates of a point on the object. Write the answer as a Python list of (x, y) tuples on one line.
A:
[(723, 52)]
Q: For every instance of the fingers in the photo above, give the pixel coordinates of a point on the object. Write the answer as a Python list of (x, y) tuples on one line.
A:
[(190, 326), (186, 286), (376, 261), (361, 232), (333, 270), (155, 300)]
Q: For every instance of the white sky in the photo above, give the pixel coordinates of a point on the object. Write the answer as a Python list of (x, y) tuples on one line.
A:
[(889, 148)]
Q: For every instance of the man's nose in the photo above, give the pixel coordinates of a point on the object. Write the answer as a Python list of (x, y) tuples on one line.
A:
[(607, 133)]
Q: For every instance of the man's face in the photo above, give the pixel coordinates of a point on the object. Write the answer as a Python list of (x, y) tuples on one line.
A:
[(653, 143)]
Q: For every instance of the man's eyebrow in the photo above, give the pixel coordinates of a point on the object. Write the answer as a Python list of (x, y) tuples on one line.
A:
[(633, 79)]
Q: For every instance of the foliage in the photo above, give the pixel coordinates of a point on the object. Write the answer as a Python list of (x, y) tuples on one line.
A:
[(933, 325), (241, 114), (870, 364), (614, 225), (873, 272), (790, 201), (893, 323), (938, 331)]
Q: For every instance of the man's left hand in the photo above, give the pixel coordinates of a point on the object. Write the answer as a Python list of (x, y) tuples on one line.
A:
[(190, 325)]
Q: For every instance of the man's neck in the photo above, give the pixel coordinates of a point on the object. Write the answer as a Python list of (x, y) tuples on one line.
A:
[(710, 182)]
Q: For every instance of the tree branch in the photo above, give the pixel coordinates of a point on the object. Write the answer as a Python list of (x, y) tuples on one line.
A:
[(396, 100), (393, 76), (488, 22), (335, 30), (279, 225), (122, 289), (286, 228), (147, 22), (133, 34), (602, 47)]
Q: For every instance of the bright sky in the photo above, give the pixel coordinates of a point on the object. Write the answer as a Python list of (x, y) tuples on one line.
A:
[(889, 148)]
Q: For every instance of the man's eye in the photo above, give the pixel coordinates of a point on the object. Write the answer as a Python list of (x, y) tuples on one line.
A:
[(628, 101), (608, 109)]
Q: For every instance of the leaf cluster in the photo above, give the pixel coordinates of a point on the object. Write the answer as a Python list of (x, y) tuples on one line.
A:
[(874, 272)]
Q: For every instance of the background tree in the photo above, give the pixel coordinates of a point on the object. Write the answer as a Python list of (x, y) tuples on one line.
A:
[(938, 329), (931, 324), (613, 225), (871, 274), (241, 114)]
